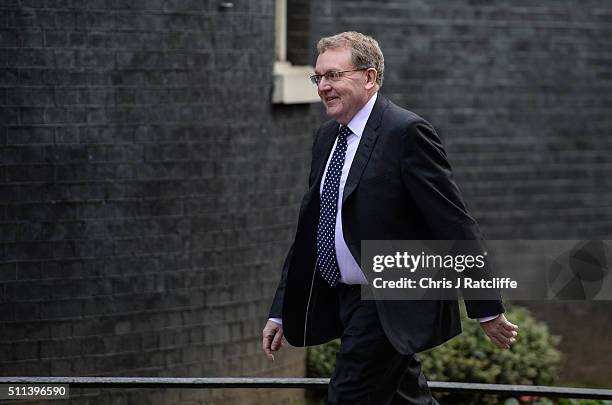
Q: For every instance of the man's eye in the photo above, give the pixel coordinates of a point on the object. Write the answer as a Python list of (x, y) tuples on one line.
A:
[(333, 75)]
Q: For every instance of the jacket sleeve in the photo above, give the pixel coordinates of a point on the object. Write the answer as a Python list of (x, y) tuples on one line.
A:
[(276, 309), (428, 177)]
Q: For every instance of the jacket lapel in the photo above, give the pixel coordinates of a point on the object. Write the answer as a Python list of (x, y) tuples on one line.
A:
[(364, 150)]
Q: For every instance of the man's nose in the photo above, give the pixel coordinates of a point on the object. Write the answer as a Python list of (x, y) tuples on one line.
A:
[(324, 84)]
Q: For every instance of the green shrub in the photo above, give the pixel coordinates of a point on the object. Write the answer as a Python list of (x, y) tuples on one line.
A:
[(320, 363), (321, 360), (471, 357)]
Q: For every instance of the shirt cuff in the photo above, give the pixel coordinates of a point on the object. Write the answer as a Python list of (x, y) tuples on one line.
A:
[(276, 320), (487, 318)]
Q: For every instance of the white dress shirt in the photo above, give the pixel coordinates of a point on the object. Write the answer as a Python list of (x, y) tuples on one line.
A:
[(350, 273)]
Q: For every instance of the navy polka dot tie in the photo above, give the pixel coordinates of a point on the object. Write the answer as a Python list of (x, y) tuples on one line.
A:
[(326, 246)]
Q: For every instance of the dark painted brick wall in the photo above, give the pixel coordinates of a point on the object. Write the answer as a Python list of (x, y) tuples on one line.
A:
[(148, 191), (521, 94), (299, 41)]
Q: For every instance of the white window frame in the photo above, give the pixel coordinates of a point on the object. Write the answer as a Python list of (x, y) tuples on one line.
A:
[(291, 83)]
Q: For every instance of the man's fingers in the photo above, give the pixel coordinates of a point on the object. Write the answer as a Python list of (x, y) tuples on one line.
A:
[(507, 334), (510, 326), (268, 353), (501, 338), (508, 329), (497, 341), (266, 347), (507, 324), (501, 343), (501, 332), (271, 341), (276, 343)]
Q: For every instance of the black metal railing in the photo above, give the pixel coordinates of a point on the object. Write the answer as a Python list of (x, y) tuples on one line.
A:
[(310, 383)]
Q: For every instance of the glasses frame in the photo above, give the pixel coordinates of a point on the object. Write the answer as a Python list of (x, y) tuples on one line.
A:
[(316, 79)]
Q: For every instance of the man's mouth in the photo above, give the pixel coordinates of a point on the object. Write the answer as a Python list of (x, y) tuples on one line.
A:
[(330, 99)]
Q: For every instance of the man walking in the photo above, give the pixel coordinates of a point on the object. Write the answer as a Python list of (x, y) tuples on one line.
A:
[(378, 172)]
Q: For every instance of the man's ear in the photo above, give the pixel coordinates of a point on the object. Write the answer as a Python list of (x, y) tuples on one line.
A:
[(371, 75)]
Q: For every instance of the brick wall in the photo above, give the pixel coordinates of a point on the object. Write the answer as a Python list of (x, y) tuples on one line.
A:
[(148, 192), (299, 41), (520, 93)]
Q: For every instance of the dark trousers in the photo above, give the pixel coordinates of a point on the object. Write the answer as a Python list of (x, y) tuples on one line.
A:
[(368, 368)]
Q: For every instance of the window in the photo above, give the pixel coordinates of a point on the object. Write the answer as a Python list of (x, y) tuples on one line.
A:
[(291, 83)]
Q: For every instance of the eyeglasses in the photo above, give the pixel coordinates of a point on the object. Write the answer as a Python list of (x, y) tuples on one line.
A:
[(333, 76)]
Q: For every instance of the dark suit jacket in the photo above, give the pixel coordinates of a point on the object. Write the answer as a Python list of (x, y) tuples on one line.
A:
[(400, 187)]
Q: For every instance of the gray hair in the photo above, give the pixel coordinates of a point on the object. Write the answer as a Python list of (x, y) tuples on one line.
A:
[(365, 51)]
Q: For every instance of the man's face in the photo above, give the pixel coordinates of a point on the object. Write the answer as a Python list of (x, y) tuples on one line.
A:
[(345, 97)]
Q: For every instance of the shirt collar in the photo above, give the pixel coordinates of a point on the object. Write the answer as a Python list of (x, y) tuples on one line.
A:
[(359, 121)]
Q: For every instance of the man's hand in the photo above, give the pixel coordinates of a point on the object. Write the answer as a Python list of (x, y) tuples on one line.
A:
[(500, 331), (272, 338)]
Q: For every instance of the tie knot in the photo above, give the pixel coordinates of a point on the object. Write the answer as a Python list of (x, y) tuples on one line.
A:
[(344, 132)]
